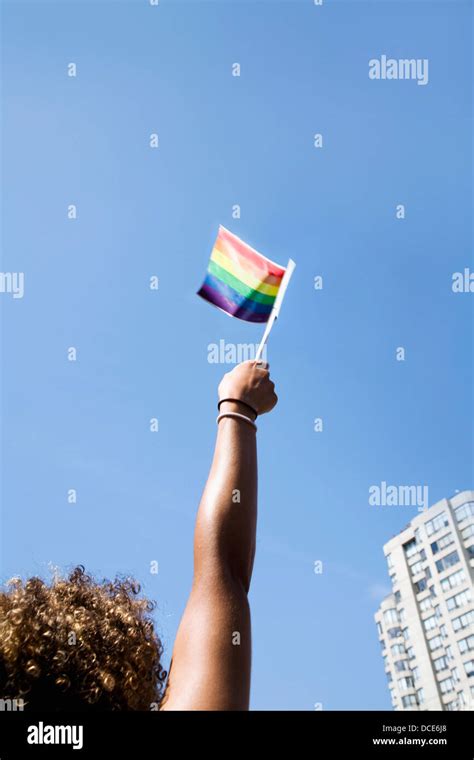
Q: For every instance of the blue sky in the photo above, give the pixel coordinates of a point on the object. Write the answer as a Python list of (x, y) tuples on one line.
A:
[(227, 140)]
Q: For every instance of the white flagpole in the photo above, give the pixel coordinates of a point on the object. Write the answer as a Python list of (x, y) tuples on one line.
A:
[(290, 268)]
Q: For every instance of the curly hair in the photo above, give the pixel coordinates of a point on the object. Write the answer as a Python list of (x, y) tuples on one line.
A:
[(77, 644)]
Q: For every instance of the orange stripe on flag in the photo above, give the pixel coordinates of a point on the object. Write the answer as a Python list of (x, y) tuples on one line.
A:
[(243, 270)]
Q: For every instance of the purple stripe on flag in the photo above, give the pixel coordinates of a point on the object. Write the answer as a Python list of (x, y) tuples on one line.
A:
[(244, 309)]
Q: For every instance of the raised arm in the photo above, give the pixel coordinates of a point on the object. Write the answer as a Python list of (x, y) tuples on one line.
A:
[(210, 668)]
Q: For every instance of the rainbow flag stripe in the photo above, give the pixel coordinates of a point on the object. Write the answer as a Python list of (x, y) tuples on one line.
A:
[(239, 280)]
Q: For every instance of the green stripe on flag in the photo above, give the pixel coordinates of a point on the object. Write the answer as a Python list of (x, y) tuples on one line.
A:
[(238, 285)]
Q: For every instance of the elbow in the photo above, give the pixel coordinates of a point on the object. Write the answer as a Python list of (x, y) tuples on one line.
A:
[(223, 553), (232, 574)]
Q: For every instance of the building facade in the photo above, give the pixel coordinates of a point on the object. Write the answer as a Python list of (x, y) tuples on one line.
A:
[(426, 625)]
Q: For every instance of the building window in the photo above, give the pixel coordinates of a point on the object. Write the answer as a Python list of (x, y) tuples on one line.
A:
[(459, 600), (411, 653), (416, 673), (420, 695), (430, 623), (438, 522), (441, 663), (468, 532), (426, 604), (449, 652), (465, 510), (405, 633), (453, 580), (448, 561), (394, 632), (397, 649), (400, 665), (470, 551), (458, 703), (443, 631), (379, 629), (405, 683), (390, 616), (389, 561), (442, 543), (409, 700), (469, 668), (420, 586), (416, 568), (447, 685), (467, 644), (435, 643), (410, 548), (401, 614), (463, 621), (453, 705)]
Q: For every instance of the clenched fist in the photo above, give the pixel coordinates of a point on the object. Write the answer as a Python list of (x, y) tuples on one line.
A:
[(250, 383)]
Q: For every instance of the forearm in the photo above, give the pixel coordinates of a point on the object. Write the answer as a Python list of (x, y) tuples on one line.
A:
[(211, 658), (224, 544)]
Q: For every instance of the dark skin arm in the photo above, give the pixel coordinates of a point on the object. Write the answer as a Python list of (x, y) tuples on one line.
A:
[(212, 653)]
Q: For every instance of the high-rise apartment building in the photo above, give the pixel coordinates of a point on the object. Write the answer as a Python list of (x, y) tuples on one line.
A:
[(426, 625)]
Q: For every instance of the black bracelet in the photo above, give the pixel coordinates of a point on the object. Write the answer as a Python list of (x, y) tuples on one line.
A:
[(237, 401)]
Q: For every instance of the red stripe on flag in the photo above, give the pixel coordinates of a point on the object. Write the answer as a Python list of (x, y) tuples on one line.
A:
[(244, 265), (259, 261)]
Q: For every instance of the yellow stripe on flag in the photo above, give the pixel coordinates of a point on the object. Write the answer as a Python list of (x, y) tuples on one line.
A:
[(242, 274)]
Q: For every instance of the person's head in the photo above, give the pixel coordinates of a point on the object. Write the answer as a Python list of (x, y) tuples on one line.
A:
[(77, 644)]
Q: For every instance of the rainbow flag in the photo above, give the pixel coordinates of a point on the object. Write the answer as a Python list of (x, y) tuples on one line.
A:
[(239, 280)]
